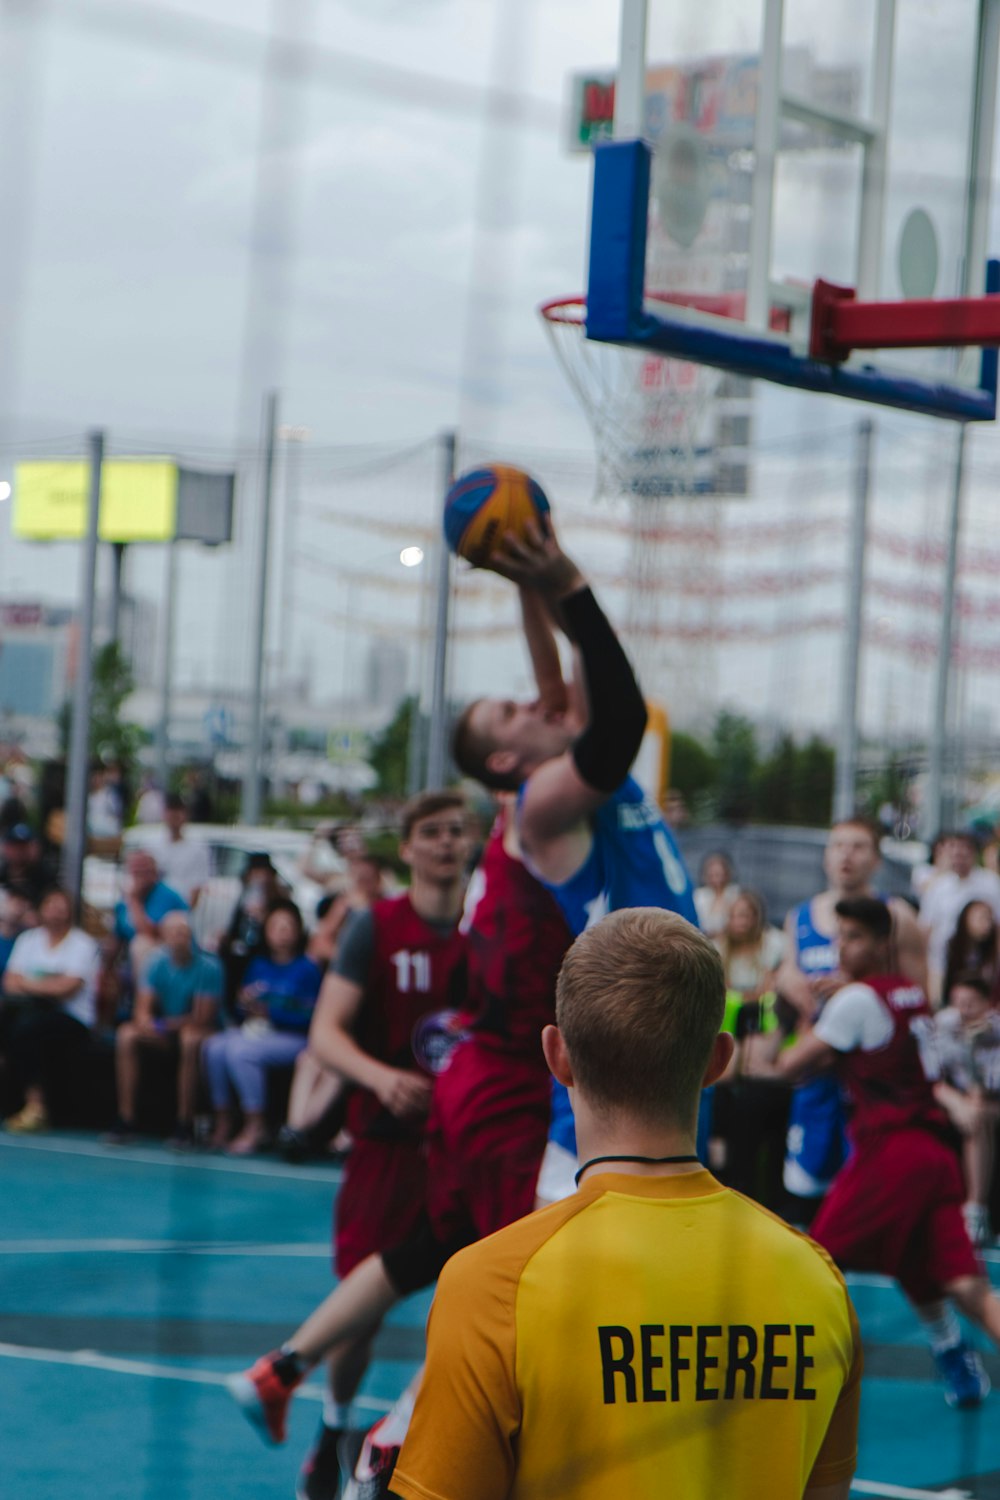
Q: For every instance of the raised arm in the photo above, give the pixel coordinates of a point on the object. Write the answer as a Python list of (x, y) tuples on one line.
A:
[(561, 794)]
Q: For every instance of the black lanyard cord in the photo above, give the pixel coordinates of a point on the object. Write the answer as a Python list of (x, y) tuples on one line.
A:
[(644, 1161)]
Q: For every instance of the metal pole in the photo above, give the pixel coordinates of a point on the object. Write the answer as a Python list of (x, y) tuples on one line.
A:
[(938, 807), (166, 667), (847, 733), (436, 745), (117, 573), (252, 777), (75, 843)]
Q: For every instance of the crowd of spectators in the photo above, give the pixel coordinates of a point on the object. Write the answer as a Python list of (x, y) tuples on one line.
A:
[(221, 1028), (213, 1031)]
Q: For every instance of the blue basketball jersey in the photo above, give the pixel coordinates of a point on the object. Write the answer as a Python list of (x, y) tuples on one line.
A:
[(633, 861), (816, 1146)]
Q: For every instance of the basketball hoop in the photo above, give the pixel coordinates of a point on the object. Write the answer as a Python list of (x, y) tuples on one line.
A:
[(652, 416)]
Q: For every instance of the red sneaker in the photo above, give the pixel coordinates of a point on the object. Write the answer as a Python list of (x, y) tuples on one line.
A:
[(263, 1397)]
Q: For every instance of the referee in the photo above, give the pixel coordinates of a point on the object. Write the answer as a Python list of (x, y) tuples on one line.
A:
[(654, 1334)]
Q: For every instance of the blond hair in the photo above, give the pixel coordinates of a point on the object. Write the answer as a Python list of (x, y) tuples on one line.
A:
[(639, 1002)]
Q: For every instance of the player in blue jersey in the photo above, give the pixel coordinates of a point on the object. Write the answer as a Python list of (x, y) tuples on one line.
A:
[(808, 977), (587, 830)]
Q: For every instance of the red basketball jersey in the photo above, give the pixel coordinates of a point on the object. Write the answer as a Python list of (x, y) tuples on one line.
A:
[(888, 1087), (416, 971), (517, 936)]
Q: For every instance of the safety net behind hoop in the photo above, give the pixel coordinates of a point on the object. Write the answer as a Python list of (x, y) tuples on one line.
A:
[(653, 418)]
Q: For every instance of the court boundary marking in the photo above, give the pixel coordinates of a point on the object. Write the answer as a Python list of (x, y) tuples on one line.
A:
[(316, 1250), (89, 1359), (324, 1176)]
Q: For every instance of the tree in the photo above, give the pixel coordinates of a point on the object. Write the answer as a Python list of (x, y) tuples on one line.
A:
[(812, 783), (112, 737), (693, 768), (734, 742), (773, 783), (389, 756)]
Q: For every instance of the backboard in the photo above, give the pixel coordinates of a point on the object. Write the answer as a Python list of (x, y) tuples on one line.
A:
[(744, 151)]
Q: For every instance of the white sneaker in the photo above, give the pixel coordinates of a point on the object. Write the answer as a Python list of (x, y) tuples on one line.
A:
[(977, 1224)]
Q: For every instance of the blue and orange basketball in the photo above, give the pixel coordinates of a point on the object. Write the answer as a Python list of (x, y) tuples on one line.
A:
[(485, 504)]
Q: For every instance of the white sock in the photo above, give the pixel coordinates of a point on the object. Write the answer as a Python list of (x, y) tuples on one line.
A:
[(940, 1326), (335, 1413)]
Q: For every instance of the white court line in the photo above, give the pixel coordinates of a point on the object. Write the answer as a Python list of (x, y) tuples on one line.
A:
[(157, 1247), (187, 1159), (89, 1359), (901, 1492)]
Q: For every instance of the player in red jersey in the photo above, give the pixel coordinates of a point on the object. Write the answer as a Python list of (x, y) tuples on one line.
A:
[(400, 975), (896, 1206), (485, 1140)]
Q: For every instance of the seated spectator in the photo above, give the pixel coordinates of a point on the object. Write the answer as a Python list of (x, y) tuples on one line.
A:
[(22, 868), (176, 1008), (48, 1008), (145, 902), (963, 881), (973, 946), (960, 1048), (277, 1000), (243, 939), (184, 863), (713, 900), (17, 915)]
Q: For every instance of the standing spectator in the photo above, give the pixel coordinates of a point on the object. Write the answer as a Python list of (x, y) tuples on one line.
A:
[(314, 1087), (151, 804), (960, 1050), (973, 947), (22, 868), (752, 952), (924, 875), (713, 900), (48, 1007), (105, 814), (184, 862), (750, 1116), (277, 999), (176, 1009), (243, 939), (145, 902), (963, 881)]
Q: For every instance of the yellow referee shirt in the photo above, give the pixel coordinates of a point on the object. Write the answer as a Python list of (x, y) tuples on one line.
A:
[(650, 1337)]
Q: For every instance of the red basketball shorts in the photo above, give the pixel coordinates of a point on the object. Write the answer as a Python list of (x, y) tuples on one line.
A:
[(896, 1208), (381, 1199)]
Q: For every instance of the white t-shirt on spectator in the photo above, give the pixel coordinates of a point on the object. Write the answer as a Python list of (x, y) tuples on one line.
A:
[(184, 865), (77, 954), (745, 971), (942, 907), (854, 1019)]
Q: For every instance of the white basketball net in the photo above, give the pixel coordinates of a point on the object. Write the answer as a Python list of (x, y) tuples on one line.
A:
[(652, 417)]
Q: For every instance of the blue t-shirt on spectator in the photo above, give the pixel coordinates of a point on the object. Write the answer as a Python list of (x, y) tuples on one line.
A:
[(176, 986), (289, 990), (161, 899), (6, 945)]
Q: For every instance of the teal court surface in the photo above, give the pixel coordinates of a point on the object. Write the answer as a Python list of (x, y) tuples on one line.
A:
[(132, 1282)]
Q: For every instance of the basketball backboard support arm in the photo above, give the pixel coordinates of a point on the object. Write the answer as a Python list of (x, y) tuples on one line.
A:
[(637, 260), (616, 313)]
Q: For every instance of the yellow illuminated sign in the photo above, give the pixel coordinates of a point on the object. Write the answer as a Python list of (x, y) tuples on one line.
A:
[(138, 500)]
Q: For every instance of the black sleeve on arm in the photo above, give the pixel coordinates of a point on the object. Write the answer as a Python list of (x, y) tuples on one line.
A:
[(610, 743)]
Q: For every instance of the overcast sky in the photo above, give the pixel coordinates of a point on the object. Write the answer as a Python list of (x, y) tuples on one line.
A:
[(357, 229)]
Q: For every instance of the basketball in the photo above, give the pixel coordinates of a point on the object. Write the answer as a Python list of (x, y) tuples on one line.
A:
[(485, 504)]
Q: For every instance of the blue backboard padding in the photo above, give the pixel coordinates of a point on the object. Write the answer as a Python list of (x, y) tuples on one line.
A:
[(616, 314)]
